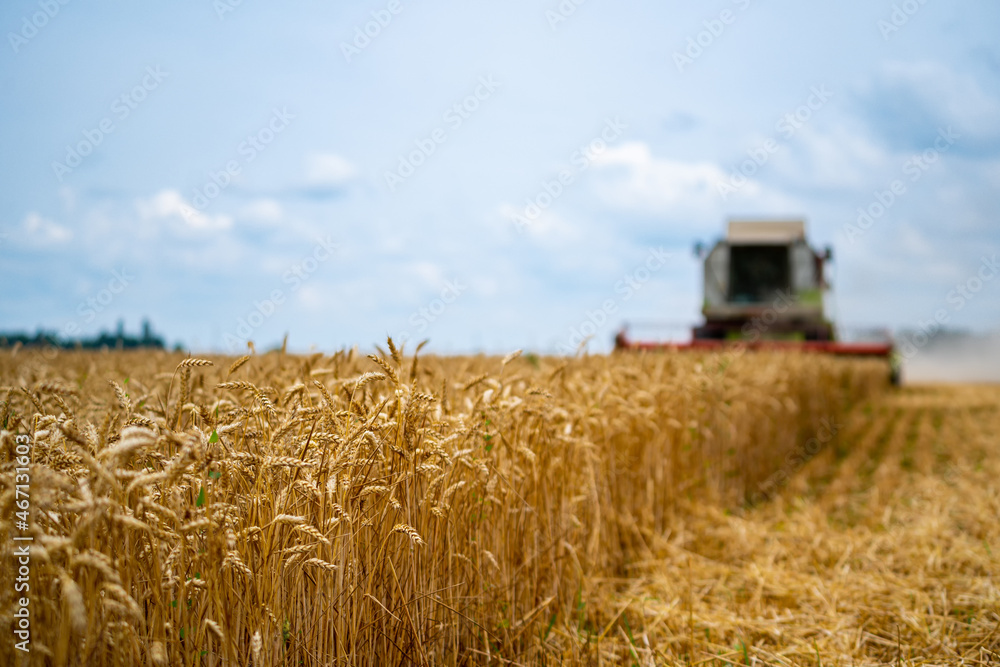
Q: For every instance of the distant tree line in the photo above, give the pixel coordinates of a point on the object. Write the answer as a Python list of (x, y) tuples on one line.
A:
[(105, 339)]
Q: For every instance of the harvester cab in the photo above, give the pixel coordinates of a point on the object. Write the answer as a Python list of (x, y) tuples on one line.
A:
[(764, 282)]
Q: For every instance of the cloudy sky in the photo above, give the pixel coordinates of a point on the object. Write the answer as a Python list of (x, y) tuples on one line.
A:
[(487, 175)]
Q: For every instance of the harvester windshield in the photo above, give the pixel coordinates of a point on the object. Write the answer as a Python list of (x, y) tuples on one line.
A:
[(757, 273)]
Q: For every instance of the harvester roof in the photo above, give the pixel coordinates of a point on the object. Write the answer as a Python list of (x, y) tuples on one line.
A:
[(776, 232)]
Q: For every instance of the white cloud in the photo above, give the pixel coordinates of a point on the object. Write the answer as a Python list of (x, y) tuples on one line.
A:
[(836, 159), (957, 97), (169, 206), (262, 210), (908, 103), (914, 243), (546, 228), (45, 231), (655, 185), (328, 170), (429, 273), (631, 179), (312, 298), (68, 197)]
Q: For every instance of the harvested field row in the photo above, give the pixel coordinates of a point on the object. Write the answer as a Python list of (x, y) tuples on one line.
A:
[(898, 566)]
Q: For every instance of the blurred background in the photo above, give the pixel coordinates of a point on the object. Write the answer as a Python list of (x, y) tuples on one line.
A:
[(488, 175)]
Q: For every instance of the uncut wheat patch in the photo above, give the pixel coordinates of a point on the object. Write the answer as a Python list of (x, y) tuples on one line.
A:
[(388, 509)]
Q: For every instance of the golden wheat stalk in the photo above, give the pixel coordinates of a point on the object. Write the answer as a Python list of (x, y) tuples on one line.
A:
[(409, 531), (236, 365), (192, 362)]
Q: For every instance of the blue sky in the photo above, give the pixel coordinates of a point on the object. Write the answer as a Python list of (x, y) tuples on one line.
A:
[(235, 177)]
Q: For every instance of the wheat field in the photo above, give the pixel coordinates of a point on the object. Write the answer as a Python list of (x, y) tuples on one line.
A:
[(670, 508)]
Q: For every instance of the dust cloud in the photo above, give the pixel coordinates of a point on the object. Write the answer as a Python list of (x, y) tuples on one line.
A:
[(955, 358)]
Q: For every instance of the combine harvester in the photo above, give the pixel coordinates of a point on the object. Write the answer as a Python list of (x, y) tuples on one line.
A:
[(764, 288)]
